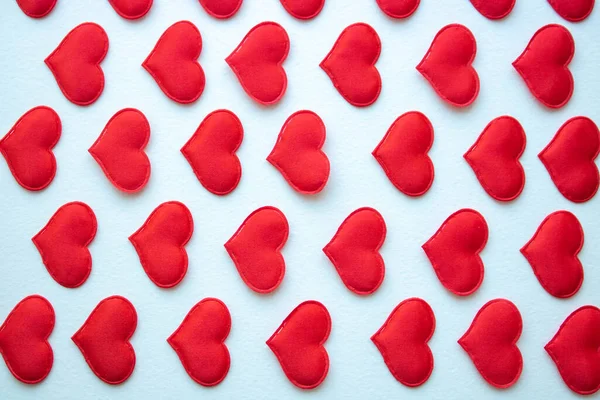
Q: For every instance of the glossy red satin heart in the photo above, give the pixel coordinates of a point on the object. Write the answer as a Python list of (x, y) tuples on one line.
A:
[(63, 243), (24, 339), (354, 250), (298, 155), (131, 9), (303, 9), (298, 344), (120, 150), (402, 341), (402, 153), (160, 243), (75, 63), (491, 342), (221, 9), (494, 9), (454, 251), (200, 342), (211, 152), (399, 8), (173, 63), (27, 147), (351, 64), (495, 156), (573, 10), (255, 249), (104, 339), (36, 8)]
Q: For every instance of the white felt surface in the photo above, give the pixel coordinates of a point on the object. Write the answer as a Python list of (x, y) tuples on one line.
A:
[(357, 370)]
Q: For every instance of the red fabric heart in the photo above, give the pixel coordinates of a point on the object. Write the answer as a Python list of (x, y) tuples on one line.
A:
[(402, 341), (544, 65), (104, 339), (494, 9), (351, 64), (255, 249), (574, 350), (24, 339), (36, 8), (454, 251), (573, 10), (131, 9), (211, 152), (491, 342), (495, 156), (569, 158), (173, 63), (257, 62), (199, 342), (160, 243), (221, 9), (448, 65), (75, 63), (63, 243), (402, 153), (27, 147), (303, 9), (399, 8), (354, 250), (552, 253), (298, 155), (298, 344), (120, 150)]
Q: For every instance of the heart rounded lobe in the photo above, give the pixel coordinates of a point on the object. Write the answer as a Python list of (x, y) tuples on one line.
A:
[(494, 9), (399, 8), (303, 9), (573, 10), (131, 9), (221, 9), (36, 8)]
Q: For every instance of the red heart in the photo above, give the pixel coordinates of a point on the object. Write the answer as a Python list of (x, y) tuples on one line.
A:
[(255, 249), (402, 341), (454, 251), (448, 65), (495, 156), (351, 64), (131, 9), (36, 8), (211, 152), (257, 62), (552, 253), (63, 243), (221, 9), (200, 342), (104, 339), (573, 10), (569, 158), (354, 251), (303, 9), (24, 339), (75, 63), (27, 147), (160, 243), (298, 155), (298, 344), (402, 153), (494, 9), (173, 63), (544, 65), (399, 8), (120, 150), (491, 342), (574, 350)]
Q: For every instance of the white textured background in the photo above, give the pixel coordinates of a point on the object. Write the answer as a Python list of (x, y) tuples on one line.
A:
[(357, 369)]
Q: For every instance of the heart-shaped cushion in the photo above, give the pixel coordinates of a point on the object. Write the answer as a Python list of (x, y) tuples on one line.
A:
[(303, 9), (494, 9), (399, 8), (221, 9), (36, 8), (573, 10), (131, 9)]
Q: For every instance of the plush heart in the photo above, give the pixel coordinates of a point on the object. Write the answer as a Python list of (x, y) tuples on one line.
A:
[(402, 341), (75, 63), (454, 251), (569, 158), (354, 251), (351, 65), (120, 150), (544, 65), (199, 342), (27, 147), (63, 243), (173, 63), (298, 344), (255, 249), (399, 8), (495, 156), (494, 9), (104, 339), (298, 155), (211, 152), (402, 153), (160, 243), (552, 253), (24, 339), (257, 62), (573, 10), (131, 9), (36, 8), (221, 9), (574, 350), (491, 342), (448, 65), (303, 9)]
